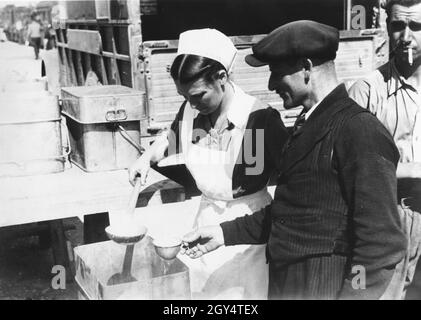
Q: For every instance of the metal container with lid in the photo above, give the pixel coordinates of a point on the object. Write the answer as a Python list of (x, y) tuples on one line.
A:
[(30, 135), (104, 125)]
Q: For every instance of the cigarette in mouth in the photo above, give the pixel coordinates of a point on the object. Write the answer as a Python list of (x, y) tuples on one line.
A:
[(410, 58)]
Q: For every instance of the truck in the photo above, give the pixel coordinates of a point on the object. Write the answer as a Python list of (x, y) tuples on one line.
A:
[(133, 43), (15, 19)]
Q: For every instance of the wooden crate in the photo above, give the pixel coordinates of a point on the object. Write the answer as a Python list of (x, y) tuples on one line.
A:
[(111, 50), (100, 48), (155, 278), (80, 9), (30, 135), (162, 98), (106, 43), (359, 53)]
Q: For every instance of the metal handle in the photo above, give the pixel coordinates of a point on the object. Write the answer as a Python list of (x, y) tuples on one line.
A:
[(116, 115), (69, 147), (65, 154), (24, 163), (127, 136)]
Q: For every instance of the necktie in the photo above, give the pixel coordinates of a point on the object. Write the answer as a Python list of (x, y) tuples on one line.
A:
[(299, 122)]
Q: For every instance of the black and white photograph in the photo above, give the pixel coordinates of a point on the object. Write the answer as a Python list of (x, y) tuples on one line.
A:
[(214, 155)]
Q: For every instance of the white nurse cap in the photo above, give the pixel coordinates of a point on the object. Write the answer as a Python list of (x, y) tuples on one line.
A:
[(209, 43)]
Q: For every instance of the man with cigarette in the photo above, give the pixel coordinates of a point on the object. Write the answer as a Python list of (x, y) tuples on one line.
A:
[(393, 94)]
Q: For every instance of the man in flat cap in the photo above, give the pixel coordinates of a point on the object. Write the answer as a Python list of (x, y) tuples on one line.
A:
[(333, 229), (393, 94)]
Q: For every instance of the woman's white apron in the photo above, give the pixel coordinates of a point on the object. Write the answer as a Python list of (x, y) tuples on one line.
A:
[(233, 272)]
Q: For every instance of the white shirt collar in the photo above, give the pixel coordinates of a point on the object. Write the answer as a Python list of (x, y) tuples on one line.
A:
[(309, 112)]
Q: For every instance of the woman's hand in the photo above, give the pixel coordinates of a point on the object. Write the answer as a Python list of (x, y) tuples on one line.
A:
[(140, 168), (153, 154)]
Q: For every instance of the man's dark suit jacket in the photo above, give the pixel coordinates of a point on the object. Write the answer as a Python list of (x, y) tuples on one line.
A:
[(336, 194)]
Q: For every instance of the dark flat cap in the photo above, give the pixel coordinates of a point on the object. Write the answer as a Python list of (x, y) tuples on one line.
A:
[(302, 38)]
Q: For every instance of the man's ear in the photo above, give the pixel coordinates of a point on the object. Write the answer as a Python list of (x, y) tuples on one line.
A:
[(307, 64), (308, 67)]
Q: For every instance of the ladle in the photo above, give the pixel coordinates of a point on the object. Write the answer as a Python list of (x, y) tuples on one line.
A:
[(127, 239)]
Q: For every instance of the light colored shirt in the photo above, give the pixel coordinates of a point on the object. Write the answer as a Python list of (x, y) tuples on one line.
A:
[(309, 112), (397, 104), (34, 30)]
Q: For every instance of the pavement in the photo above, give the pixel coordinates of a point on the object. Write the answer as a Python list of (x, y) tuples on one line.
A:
[(26, 262), (18, 67), (26, 265)]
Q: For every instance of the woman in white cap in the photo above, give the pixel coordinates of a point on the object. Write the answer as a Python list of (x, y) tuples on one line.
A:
[(231, 144)]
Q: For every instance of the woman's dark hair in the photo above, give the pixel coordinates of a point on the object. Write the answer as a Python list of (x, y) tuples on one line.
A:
[(189, 67)]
